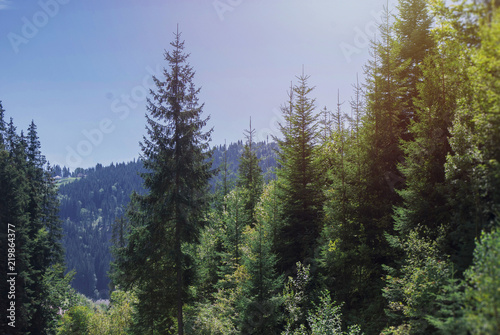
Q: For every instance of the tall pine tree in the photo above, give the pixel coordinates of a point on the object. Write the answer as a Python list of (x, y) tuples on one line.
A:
[(176, 155), (250, 174), (299, 176)]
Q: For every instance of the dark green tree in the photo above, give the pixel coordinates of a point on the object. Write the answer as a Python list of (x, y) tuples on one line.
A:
[(259, 306), (373, 159), (345, 258), (412, 29), (175, 153), (44, 230), (235, 219), (439, 79), (13, 215), (472, 167), (3, 125), (300, 192), (250, 175), (31, 226)]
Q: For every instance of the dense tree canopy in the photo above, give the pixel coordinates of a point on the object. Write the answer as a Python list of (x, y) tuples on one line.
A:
[(381, 219)]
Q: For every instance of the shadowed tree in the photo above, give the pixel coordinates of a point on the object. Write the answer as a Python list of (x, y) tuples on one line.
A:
[(175, 153)]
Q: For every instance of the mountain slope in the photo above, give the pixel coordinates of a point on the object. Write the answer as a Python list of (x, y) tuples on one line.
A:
[(91, 200)]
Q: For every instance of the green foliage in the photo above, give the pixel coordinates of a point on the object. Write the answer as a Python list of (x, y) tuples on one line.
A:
[(405, 186), (209, 256), (424, 290), (220, 313), (297, 299), (117, 319), (483, 294), (250, 175), (299, 178), (449, 316), (259, 306), (31, 231), (75, 321), (88, 220), (217, 317), (324, 319), (155, 260), (235, 218), (472, 169)]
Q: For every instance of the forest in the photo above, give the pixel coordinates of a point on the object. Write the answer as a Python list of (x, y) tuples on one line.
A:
[(90, 204), (376, 217)]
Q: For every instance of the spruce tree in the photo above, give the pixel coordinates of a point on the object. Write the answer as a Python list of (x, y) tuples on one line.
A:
[(299, 176), (29, 206), (45, 229), (472, 167), (377, 180), (250, 174), (424, 195), (412, 30), (235, 219), (175, 153), (13, 215), (260, 303), (3, 126)]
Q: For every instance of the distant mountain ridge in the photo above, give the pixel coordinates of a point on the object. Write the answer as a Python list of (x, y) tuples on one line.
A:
[(91, 199)]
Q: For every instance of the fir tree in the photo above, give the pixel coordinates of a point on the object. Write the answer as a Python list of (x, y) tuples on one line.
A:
[(412, 29), (3, 126), (300, 191), (472, 167), (175, 153), (260, 304), (29, 207), (250, 174)]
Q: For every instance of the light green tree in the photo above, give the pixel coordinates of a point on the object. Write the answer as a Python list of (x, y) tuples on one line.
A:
[(483, 294)]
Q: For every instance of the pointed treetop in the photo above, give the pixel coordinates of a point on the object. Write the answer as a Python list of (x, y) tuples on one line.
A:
[(249, 133), (3, 127)]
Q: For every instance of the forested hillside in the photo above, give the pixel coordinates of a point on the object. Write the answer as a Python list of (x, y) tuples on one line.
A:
[(92, 199), (88, 207), (383, 217), (228, 157), (380, 217)]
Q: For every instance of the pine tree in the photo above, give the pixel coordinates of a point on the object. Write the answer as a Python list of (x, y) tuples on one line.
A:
[(373, 160), (3, 126), (250, 174), (13, 201), (412, 29), (300, 192), (29, 207), (346, 258), (439, 86), (235, 219), (259, 306), (175, 153), (472, 168), (383, 131), (45, 230), (209, 256)]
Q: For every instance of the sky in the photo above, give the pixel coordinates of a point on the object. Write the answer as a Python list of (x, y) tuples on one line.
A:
[(82, 69)]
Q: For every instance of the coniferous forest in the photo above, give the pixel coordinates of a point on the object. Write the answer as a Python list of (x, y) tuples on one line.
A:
[(92, 203), (380, 216)]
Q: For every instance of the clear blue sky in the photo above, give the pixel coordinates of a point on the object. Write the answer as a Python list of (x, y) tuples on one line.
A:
[(80, 68)]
